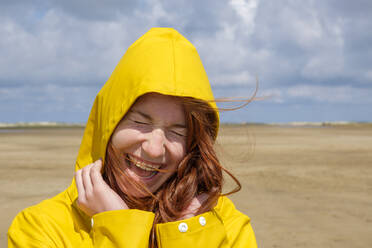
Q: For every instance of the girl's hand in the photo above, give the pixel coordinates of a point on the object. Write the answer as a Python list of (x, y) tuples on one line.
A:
[(95, 196), (194, 206)]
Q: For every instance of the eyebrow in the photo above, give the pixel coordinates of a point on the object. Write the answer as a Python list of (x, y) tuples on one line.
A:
[(148, 117)]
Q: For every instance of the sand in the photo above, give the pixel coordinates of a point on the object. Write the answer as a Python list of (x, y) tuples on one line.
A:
[(302, 186)]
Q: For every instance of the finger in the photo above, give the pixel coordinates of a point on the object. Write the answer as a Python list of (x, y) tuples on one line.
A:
[(88, 187), (95, 173), (79, 183)]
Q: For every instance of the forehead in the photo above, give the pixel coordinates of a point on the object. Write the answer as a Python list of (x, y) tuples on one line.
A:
[(158, 106)]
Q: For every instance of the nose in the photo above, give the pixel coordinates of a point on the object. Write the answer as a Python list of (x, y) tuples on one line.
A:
[(154, 145)]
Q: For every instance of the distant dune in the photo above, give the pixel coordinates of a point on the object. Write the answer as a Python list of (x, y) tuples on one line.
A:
[(288, 124), (39, 124)]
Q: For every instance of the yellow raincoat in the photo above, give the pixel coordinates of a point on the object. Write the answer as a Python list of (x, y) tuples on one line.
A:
[(160, 61)]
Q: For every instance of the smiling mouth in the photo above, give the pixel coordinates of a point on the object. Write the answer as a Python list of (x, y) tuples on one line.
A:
[(141, 168)]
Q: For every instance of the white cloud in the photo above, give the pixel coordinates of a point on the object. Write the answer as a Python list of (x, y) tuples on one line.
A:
[(246, 10), (272, 95), (61, 49), (304, 26), (323, 66), (330, 94), (235, 78), (368, 76)]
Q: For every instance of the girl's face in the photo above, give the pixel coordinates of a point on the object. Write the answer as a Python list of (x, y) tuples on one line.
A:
[(151, 135)]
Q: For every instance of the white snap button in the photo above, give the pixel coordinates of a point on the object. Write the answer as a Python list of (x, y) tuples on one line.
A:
[(202, 221), (91, 222), (183, 227)]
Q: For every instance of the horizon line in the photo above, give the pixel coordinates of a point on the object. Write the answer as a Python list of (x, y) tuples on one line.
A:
[(79, 124)]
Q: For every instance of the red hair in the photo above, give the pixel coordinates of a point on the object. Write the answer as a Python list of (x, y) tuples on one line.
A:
[(199, 172)]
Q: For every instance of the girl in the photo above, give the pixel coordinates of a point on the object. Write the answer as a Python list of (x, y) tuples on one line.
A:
[(146, 174)]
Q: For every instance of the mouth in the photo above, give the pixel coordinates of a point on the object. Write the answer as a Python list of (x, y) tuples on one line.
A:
[(142, 169)]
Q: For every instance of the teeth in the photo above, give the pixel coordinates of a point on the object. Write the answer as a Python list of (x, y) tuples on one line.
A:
[(142, 165)]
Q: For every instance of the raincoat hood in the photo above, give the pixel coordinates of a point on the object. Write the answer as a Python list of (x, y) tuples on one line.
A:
[(161, 61)]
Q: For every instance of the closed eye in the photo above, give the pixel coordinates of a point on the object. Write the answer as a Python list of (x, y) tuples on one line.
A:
[(178, 133), (140, 122)]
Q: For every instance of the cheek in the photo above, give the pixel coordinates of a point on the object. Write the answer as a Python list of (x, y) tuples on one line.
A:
[(126, 138), (179, 152)]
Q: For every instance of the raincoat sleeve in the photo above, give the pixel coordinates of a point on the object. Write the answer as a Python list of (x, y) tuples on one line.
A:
[(223, 227), (121, 228)]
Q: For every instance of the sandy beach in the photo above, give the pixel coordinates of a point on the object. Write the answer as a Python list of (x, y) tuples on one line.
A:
[(303, 186)]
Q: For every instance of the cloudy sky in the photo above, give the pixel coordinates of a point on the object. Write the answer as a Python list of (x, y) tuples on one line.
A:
[(313, 58)]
